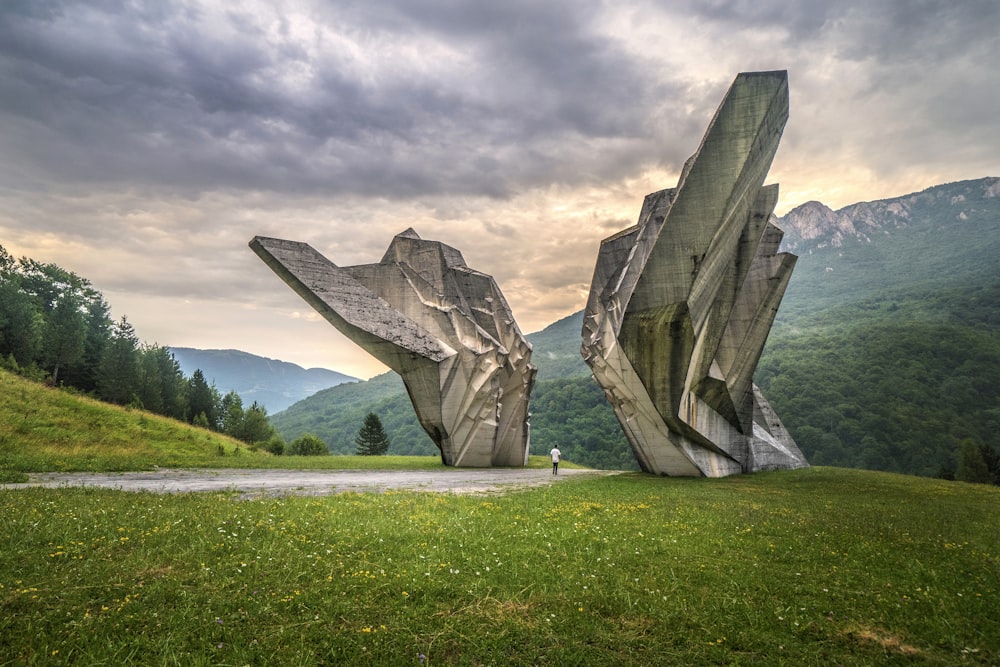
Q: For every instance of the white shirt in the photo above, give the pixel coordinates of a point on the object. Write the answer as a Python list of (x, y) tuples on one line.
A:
[(555, 454)]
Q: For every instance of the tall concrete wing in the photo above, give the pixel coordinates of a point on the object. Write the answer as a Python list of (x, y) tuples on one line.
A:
[(681, 304), (445, 328)]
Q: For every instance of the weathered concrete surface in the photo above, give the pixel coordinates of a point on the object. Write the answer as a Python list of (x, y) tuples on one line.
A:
[(445, 328), (681, 304), (312, 482)]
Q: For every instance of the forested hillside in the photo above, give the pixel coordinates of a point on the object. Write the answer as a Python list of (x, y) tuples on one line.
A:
[(946, 236), (886, 350), (896, 382), (56, 327), (885, 353)]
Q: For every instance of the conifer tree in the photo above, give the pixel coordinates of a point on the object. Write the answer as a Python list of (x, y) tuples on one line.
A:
[(971, 466), (119, 379), (203, 400), (371, 439)]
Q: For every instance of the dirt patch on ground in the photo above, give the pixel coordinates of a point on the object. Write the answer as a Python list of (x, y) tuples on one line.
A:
[(312, 482)]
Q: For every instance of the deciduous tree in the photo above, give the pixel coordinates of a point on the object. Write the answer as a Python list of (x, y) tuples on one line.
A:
[(308, 444), (971, 466), (64, 335)]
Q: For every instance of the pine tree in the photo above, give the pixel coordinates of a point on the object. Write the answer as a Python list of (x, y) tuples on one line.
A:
[(203, 399), (119, 379), (971, 466), (371, 439)]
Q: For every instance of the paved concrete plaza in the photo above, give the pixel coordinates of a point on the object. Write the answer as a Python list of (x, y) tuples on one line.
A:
[(313, 482)]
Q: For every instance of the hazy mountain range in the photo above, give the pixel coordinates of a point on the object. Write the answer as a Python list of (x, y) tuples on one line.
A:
[(272, 383)]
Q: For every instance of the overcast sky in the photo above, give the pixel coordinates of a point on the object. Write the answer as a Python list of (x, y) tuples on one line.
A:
[(142, 144)]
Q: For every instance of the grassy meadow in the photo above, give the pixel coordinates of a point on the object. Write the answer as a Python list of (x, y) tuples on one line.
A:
[(820, 566), (810, 567)]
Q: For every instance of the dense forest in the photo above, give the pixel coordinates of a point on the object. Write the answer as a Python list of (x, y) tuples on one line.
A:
[(56, 327), (896, 383), (886, 349)]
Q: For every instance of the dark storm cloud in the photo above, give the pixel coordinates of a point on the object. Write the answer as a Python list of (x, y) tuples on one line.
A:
[(170, 97)]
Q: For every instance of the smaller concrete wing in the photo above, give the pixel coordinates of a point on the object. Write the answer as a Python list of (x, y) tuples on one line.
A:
[(445, 328)]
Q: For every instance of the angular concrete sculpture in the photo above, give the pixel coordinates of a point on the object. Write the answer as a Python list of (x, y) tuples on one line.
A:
[(681, 303), (445, 328)]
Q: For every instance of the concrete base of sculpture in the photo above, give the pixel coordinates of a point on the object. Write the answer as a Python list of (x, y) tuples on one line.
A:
[(681, 304), (445, 328)]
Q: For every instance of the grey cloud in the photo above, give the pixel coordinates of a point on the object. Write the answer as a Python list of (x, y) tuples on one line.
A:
[(557, 72), (145, 142), (913, 81), (106, 93), (902, 32), (888, 30), (802, 18)]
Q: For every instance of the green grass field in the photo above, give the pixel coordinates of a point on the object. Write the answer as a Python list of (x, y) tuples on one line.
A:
[(810, 567), (822, 566)]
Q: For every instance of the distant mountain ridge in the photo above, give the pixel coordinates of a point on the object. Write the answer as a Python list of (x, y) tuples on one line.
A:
[(272, 383), (944, 237), (813, 225)]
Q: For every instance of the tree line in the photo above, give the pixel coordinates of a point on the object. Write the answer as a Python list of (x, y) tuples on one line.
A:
[(56, 327)]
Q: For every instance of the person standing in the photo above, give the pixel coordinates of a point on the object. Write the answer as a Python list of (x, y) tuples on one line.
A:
[(555, 454)]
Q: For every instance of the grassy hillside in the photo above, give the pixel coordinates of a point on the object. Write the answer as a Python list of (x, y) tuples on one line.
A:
[(51, 430), (819, 566), (42, 428)]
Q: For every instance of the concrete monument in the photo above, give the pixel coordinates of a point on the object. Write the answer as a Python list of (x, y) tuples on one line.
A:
[(681, 303), (445, 328)]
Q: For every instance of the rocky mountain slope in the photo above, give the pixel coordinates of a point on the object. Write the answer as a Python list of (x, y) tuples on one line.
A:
[(814, 226)]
